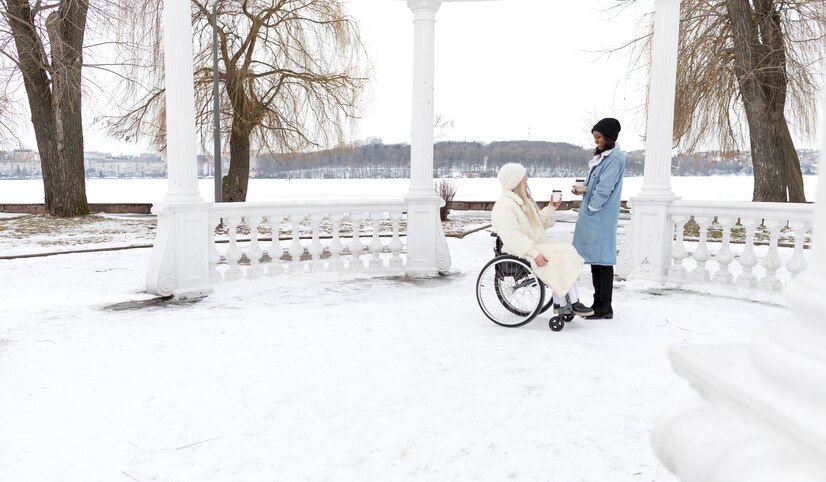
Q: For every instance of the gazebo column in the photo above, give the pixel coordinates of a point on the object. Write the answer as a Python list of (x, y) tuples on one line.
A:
[(644, 254), (427, 252), (763, 415), (180, 258)]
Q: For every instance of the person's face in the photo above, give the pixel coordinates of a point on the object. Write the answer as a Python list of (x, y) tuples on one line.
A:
[(599, 140), (524, 182)]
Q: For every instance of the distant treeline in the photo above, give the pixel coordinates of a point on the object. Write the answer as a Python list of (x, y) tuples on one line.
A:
[(476, 159)]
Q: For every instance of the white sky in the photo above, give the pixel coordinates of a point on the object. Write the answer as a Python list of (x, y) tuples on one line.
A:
[(505, 70)]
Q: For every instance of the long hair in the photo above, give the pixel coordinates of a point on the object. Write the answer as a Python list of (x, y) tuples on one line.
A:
[(528, 204), (609, 144)]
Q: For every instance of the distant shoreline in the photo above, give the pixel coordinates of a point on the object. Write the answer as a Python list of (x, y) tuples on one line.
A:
[(149, 191)]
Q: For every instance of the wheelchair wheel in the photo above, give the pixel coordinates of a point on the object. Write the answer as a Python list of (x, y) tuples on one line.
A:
[(557, 323), (548, 304), (508, 292)]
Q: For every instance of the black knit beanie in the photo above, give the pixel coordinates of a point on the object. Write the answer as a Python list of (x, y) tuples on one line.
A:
[(609, 127)]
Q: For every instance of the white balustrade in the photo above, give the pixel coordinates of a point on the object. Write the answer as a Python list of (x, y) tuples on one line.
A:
[(275, 251), (254, 252), (356, 246), (772, 262), (316, 234), (752, 223), (748, 260), (676, 272), (701, 254), (797, 263), (724, 256)]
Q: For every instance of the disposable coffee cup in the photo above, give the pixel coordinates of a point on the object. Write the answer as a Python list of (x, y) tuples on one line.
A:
[(579, 185), (556, 196)]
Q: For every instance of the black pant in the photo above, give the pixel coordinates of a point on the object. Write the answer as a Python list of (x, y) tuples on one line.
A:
[(603, 277)]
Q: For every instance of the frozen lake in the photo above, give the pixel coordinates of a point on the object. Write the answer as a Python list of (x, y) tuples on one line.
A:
[(718, 188)]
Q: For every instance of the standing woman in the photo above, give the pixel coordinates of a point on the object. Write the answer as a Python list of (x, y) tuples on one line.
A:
[(595, 235)]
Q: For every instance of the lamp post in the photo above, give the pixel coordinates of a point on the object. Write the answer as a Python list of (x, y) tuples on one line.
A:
[(216, 114)]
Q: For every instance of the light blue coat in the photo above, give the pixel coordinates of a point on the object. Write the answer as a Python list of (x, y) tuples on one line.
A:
[(595, 235)]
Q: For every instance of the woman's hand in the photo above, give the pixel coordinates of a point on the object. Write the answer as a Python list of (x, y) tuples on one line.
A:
[(555, 204), (577, 192), (541, 260)]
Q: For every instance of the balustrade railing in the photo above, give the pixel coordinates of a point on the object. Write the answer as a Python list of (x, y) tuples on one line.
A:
[(275, 238), (740, 244)]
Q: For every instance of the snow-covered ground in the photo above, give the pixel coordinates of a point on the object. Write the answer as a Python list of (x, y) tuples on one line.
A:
[(335, 377)]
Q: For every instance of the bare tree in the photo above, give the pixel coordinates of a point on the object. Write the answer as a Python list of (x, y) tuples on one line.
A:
[(48, 42), (752, 60), (291, 72), (446, 190)]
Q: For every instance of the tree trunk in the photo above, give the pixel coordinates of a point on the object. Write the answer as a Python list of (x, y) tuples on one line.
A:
[(55, 105), (760, 68), (235, 183), (788, 153)]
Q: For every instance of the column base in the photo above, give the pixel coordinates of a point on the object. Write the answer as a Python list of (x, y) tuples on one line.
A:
[(180, 257), (644, 253), (427, 251)]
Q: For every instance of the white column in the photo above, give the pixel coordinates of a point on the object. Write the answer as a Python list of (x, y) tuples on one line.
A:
[(421, 129), (181, 161), (644, 253), (659, 133), (763, 416), (426, 247), (180, 258)]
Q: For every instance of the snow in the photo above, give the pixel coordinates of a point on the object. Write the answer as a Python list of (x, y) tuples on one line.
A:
[(334, 376)]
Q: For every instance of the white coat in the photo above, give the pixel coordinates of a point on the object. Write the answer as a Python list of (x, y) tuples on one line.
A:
[(526, 241)]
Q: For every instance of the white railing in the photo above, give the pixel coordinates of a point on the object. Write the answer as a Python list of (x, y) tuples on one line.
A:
[(274, 238), (738, 243)]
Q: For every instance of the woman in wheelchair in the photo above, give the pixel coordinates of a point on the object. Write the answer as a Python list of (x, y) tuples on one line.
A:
[(521, 226)]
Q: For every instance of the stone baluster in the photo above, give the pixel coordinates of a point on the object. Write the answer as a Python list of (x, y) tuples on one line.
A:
[(772, 260), (275, 250), (724, 256), (233, 254), (748, 260), (296, 250), (701, 254), (336, 247), (356, 246), (315, 249), (214, 255), (375, 262), (395, 244), (797, 262), (676, 272), (254, 252)]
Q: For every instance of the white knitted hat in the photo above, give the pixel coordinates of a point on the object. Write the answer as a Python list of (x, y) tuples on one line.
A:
[(510, 175)]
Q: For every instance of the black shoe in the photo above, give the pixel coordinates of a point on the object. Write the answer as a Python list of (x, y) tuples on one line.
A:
[(601, 316), (581, 309)]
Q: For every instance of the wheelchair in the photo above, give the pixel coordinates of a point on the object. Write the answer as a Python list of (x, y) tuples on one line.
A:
[(510, 294)]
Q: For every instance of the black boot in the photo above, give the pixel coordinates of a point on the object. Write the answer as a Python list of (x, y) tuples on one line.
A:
[(595, 277), (604, 285)]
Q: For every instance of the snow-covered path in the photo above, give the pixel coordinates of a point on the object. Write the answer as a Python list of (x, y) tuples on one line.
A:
[(333, 377)]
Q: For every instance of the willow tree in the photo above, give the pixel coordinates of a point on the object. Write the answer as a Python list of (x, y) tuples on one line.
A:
[(48, 55), (291, 72), (752, 60)]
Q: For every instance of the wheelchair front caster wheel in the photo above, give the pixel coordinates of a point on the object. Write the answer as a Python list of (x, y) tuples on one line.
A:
[(568, 317), (557, 323)]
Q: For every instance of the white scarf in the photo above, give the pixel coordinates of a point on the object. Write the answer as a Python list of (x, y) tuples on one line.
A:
[(597, 160)]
